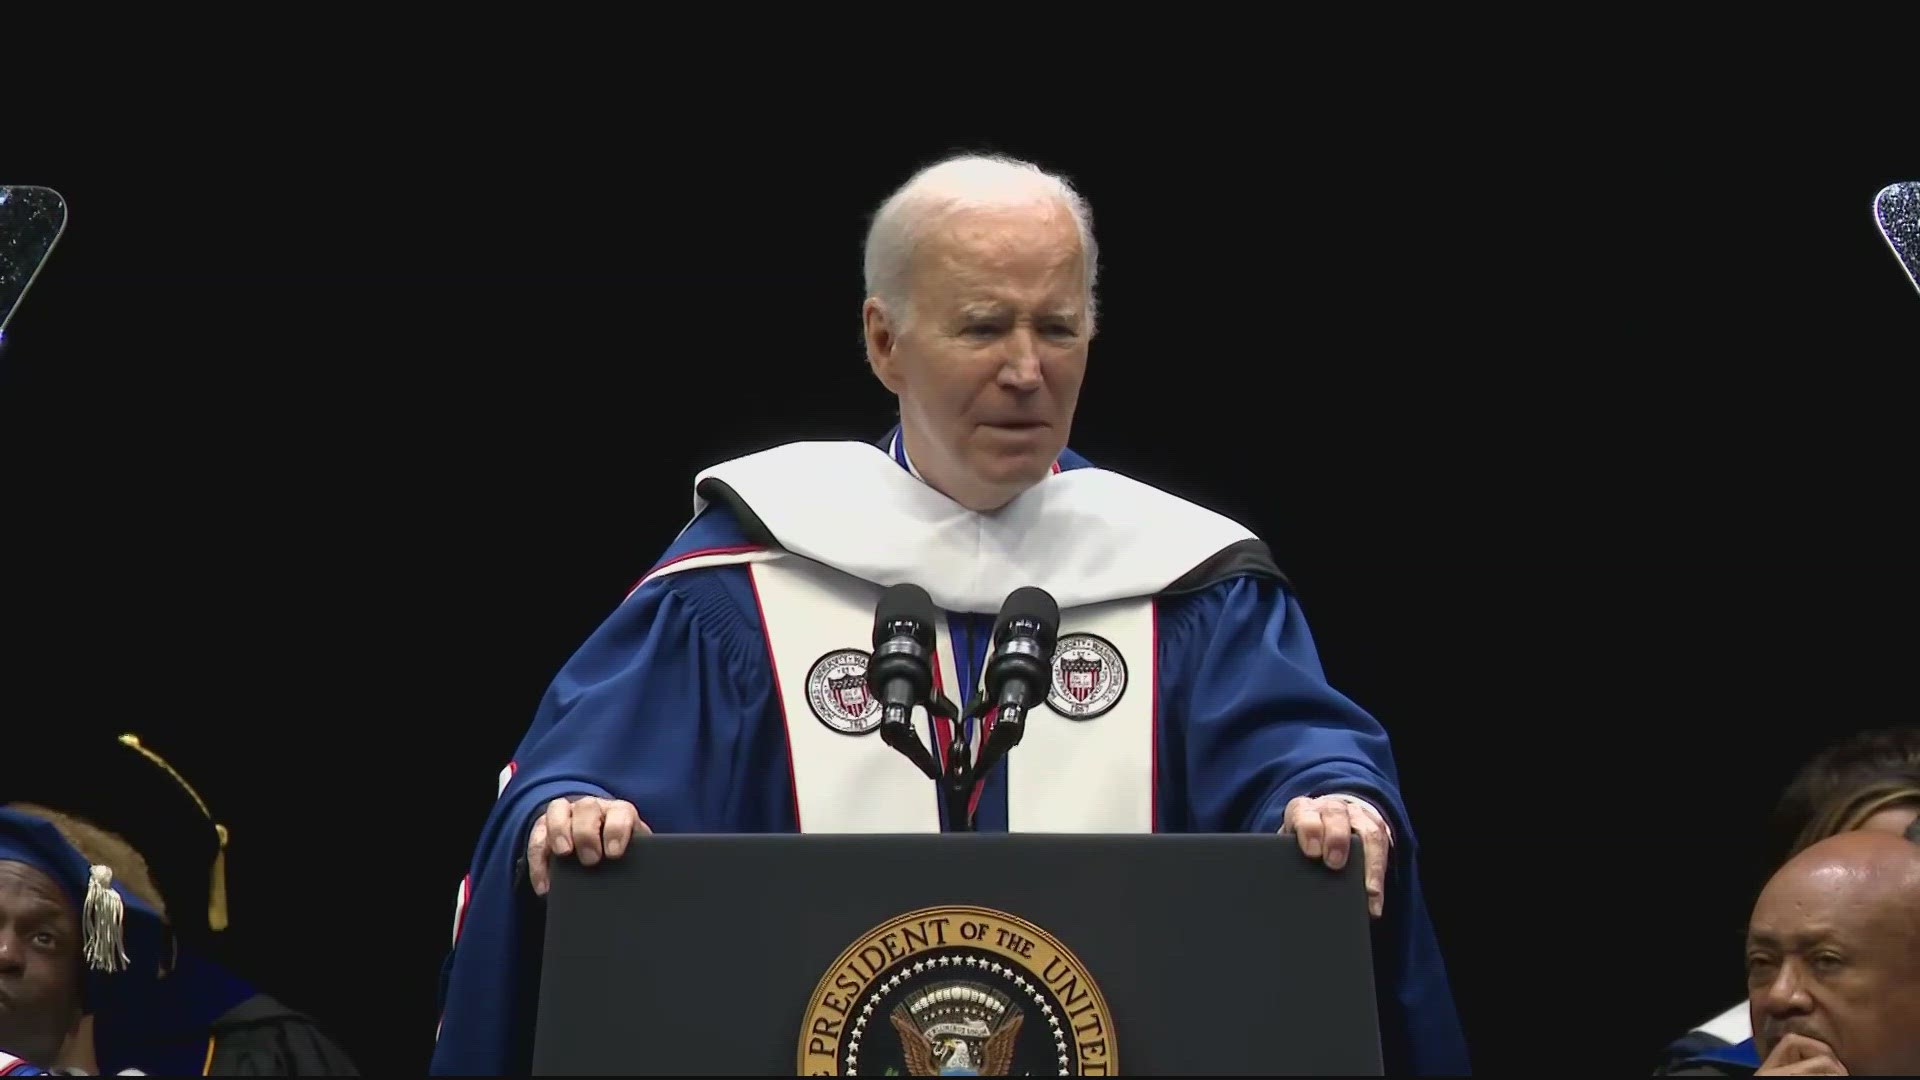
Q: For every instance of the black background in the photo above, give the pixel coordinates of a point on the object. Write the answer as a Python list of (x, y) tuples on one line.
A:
[(328, 436)]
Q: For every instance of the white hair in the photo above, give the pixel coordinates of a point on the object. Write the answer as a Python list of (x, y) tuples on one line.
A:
[(965, 182)]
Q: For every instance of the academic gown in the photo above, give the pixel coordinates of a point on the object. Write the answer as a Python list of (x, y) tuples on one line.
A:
[(262, 1037), (202, 1020), (669, 704), (1734, 1059), (207, 1021), (1723, 1046)]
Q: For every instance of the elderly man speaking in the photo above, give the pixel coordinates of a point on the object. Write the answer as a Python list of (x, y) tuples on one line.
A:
[(1187, 694)]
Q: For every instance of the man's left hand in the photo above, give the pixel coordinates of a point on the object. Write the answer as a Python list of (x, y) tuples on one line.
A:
[(1325, 826)]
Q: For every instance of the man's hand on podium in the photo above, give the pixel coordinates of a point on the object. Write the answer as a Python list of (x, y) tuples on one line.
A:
[(1325, 826), (585, 825)]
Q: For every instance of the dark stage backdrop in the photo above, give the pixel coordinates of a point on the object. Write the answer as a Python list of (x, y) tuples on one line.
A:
[(325, 448)]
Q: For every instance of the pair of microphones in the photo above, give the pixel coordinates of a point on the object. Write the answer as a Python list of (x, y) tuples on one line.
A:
[(900, 675)]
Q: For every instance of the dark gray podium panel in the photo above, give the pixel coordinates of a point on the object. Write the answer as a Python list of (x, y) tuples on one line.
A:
[(1222, 954)]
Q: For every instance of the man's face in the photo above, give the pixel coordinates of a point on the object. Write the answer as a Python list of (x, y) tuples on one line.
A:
[(989, 364), (40, 978), (1836, 957)]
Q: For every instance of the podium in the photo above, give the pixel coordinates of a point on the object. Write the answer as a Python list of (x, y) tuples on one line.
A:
[(958, 954)]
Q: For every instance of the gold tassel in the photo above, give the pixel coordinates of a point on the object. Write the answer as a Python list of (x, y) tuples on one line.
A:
[(217, 888), (105, 916), (217, 893)]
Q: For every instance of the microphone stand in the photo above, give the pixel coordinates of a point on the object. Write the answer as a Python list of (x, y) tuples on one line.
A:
[(957, 780), (962, 771), (896, 729), (1007, 729)]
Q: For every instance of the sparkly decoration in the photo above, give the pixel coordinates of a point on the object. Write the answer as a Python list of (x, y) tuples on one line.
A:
[(1897, 211), (31, 220)]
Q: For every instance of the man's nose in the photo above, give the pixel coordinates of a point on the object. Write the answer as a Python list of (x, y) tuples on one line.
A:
[(1021, 369), (13, 952), (1787, 994)]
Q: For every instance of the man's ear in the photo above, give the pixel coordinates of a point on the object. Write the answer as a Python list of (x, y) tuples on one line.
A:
[(883, 341)]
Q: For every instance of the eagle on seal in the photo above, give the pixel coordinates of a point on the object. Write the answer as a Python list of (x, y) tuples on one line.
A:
[(957, 1049)]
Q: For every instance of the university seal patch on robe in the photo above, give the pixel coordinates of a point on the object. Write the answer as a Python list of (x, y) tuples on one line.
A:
[(837, 692), (1089, 676)]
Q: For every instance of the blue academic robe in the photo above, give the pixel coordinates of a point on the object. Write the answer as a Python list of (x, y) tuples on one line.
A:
[(168, 1033), (203, 1019), (1697, 1051), (670, 705)]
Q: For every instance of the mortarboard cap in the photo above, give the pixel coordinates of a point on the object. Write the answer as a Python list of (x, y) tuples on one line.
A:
[(123, 786), (124, 943)]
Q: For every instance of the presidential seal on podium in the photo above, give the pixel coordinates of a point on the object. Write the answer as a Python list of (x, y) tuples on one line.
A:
[(957, 991)]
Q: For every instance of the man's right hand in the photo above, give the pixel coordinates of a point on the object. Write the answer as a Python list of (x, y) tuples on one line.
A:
[(1799, 1055), (580, 824)]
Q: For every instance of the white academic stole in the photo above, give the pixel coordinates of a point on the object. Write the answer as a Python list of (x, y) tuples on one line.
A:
[(1084, 765)]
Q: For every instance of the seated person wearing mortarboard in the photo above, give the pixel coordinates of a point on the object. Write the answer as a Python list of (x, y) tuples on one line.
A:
[(76, 942), (121, 805)]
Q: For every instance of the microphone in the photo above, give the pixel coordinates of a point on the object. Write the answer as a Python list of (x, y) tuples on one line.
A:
[(1020, 669), (900, 675)]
